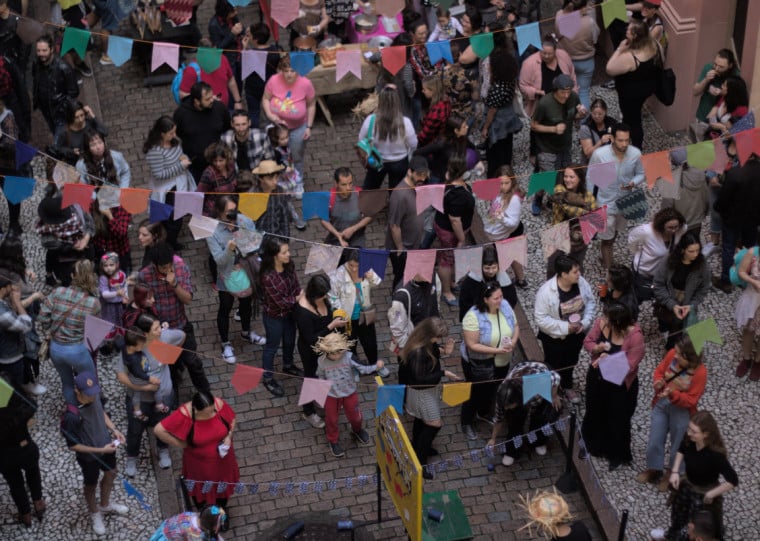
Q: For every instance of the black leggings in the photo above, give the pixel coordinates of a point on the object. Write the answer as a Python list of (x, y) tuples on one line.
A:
[(20, 467), (226, 301), (367, 337)]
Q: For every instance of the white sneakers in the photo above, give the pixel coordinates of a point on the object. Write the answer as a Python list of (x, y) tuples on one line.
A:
[(114, 509), (131, 469), (541, 450), (507, 460), (34, 388), (98, 526), (314, 420), (228, 353), (164, 459)]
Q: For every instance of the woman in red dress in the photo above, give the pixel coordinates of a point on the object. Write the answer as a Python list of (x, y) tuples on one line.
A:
[(203, 428)]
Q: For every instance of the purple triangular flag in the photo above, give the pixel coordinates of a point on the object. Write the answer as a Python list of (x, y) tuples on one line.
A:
[(24, 153), (569, 23), (188, 203), (255, 61), (165, 53), (374, 260), (95, 331)]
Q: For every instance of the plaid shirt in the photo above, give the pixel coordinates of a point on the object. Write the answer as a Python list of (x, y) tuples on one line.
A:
[(117, 239), (71, 231), (281, 290), (168, 306), (214, 182), (259, 147), (434, 121), (65, 310), (12, 328)]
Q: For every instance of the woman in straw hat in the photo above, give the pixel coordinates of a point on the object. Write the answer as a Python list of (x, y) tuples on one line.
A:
[(550, 514)]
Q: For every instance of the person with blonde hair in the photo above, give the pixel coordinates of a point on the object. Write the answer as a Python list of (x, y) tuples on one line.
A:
[(434, 122), (550, 515)]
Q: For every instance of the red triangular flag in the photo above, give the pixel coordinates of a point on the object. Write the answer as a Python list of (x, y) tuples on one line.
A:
[(246, 378), (133, 200), (79, 194), (164, 353), (486, 189), (747, 143), (656, 165), (394, 58)]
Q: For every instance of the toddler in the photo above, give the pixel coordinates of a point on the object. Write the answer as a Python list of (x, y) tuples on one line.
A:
[(113, 291), (448, 27), (336, 364), (290, 180), (143, 370)]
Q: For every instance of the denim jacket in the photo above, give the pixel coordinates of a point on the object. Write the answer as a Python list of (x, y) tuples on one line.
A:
[(484, 327)]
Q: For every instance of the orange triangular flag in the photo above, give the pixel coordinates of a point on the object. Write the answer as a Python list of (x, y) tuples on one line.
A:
[(133, 200), (246, 378), (164, 353), (254, 205), (656, 165), (394, 58)]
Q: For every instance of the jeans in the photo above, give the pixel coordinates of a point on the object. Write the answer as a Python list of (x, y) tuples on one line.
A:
[(136, 427), (17, 465), (396, 172), (226, 301), (278, 329), (69, 360), (584, 72), (297, 147), (548, 161), (666, 419)]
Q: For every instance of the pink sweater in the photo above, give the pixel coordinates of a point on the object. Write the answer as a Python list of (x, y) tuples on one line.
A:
[(633, 347), (530, 77)]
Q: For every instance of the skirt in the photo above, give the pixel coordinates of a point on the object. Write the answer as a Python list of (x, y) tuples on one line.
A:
[(423, 404), (746, 310)]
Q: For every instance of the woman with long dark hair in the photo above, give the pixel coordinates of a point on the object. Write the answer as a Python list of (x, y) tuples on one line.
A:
[(681, 283), (596, 130), (314, 318), (420, 370), (731, 107), (168, 166), (570, 200), (281, 291)]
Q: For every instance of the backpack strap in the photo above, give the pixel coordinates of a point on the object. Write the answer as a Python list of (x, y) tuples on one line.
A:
[(371, 130)]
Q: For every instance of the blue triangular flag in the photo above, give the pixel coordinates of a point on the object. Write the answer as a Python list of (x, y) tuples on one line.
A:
[(18, 188), (132, 491), (239, 3), (119, 49), (316, 204), (373, 259), (159, 211), (528, 34), (302, 62), (390, 395), (439, 50), (24, 153), (537, 384)]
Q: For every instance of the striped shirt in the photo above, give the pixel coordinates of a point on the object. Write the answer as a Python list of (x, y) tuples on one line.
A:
[(64, 312)]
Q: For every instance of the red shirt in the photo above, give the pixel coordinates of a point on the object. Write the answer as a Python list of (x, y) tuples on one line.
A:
[(218, 79)]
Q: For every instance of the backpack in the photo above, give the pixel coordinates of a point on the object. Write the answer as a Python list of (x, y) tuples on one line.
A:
[(178, 78), (366, 149), (733, 272), (334, 194), (73, 410)]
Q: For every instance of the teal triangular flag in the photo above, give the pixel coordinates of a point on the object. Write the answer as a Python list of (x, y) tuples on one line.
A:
[(77, 39), (537, 384), (209, 59), (542, 181)]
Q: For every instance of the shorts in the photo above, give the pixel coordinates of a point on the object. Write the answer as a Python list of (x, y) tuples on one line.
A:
[(616, 223), (92, 467), (107, 19)]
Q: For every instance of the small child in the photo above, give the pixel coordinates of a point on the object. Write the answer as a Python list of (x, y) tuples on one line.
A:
[(143, 370), (290, 180), (113, 290), (448, 27), (336, 364)]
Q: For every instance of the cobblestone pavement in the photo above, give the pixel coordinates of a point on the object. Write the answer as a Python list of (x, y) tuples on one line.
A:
[(274, 444)]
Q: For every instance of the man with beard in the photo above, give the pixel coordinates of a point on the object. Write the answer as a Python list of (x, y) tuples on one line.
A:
[(54, 85), (249, 145)]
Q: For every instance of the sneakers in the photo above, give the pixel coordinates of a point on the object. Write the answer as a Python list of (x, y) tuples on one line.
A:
[(540, 450), (254, 338), (236, 317), (658, 534), (384, 372), (131, 469), (114, 509), (723, 286), (164, 459), (361, 437), (648, 477), (301, 224), (273, 386), (83, 69), (507, 460), (572, 396), (664, 482), (709, 249), (469, 432), (298, 191), (479, 417), (97, 524), (314, 420), (336, 450), (105, 60), (34, 388), (228, 353), (743, 368)]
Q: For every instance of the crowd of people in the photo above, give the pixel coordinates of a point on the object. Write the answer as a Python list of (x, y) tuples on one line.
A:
[(444, 123)]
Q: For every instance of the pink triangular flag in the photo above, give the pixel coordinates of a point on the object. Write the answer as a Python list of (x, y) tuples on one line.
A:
[(348, 62), (514, 249), (314, 390), (569, 24), (394, 58), (430, 195), (389, 8), (187, 203), (721, 157), (164, 353), (254, 61), (747, 143), (602, 174), (79, 194), (95, 331), (284, 11), (419, 262), (165, 53), (246, 378), (593, 222), (468, 260), (486, 189), (556, 238), (657, 165)]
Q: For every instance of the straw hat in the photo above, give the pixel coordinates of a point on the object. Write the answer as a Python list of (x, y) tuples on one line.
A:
[(268, 167), (333, 343), (547, 511)]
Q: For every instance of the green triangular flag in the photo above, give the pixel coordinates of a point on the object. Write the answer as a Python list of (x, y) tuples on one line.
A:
[(6, 391), (613, 9), (209, 59), (542, 181), (77, 39), (482, 44), (704, 331), (701, 155), (445, 4)]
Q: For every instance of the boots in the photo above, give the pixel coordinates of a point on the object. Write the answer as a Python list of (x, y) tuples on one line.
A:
[(424, 444)]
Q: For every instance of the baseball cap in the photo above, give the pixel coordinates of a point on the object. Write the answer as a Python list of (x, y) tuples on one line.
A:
[(87, 384), (419, 164), (562, 82)]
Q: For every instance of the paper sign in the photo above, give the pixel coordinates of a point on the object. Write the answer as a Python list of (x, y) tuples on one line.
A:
[(537, 384), (419, 262), (556, 238), (486, 189), (322, 257), (700, 155), (17, 189), (202, 227), (704, 331), (456, 393), (602, 174), (390, 395), (133, 200), (657, 165), (375, 260), (430, 195), (314, 390), (528, 34), (78, 194), (95, 331), (348, 62), (514, 249), (254, 205), (569, 24), (468, 260), (165, 53), (187, 203), (246, 378), (542, 181), (615, 367), (163, 352), (394, 58)]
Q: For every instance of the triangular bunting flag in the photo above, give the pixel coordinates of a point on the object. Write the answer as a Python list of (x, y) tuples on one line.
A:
[(163, 352), (322, 257), (704, 331), (314, 390), (482, 44), (254, 61), (95, 331), (254, 205), (6, 392), (165, 53), (429, 195), (24, 153), (592, 223), (514, 249), (348, 62), (747, 143), (721, 157), (556, 238), (202, 227), (393, 58), (542, 181), (133, 200), (439, 50), (209, 58), (456, 393), (537, 384), (302, 62), (159, 211), (119, 50), (75, 38), (700, 155), (389, 8), (375, 260), (284, 11), (316, 204), (486, 189), (187, 203), (528, 34), (419, 262), (246, 378), (79, 194), (613, 9), (569, 24), (390, 395), (602, 174), (614, 368), (468, 260), (656, 165), (17, 189)]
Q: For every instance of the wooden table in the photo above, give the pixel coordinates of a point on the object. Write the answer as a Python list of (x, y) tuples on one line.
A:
[(323, 79)]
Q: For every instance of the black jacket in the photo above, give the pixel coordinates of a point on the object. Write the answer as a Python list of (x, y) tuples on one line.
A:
[(54, 87), (739, 198), (199, 128)]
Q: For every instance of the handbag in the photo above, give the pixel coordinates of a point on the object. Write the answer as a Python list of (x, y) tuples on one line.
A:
[(633, 206), (368, 153), (238, 284), (482, 372), (368, 315)]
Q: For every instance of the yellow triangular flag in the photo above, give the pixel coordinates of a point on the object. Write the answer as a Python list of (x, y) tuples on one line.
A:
[(253, 205), (456, 393)]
